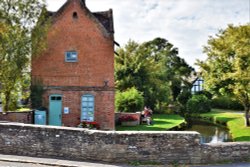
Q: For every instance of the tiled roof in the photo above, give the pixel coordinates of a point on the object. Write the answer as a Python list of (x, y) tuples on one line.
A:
[(106, 18)]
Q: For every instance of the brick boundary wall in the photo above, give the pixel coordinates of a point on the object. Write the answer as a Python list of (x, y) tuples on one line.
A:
[(21, 117), (115, 147)]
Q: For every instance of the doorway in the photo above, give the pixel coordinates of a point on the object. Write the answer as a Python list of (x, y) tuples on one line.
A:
[(55, 110)]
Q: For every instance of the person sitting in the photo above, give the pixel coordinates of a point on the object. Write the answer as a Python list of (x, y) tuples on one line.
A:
[(146, 115)]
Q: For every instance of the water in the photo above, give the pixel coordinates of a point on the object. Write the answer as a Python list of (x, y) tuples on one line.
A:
[(210, 133)]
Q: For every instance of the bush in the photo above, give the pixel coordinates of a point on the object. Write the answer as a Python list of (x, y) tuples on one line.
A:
[(206, 93), (198, 104), (184, 96), (224, 102), (129, 101)]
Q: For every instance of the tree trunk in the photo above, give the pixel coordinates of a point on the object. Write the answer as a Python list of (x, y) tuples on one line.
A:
[(247, 123), (7, 102)]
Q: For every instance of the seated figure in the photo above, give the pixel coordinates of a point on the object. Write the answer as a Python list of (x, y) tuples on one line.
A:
[(146, 116)]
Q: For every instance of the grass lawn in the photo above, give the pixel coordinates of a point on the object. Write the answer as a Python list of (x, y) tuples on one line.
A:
[(161, 122), (23, 109), (235, 122)]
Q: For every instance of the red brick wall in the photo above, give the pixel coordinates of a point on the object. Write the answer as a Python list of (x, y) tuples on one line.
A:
[(21, 117), (95, 52), (104, 110), (95, 64)]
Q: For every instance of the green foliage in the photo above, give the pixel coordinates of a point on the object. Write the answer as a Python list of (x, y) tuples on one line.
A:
[(198, 104), (16, 30), (184, 96), (36, 93), (153, 68), (224, 102), (206, 93), (182, 100), (130, 100), (227, 68)]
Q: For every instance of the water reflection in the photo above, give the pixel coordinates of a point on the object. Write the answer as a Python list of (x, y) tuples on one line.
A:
[(210, 133)]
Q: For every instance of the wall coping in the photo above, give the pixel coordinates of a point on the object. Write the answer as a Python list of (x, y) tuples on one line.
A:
[(10, 112), (4, 123), (225, 144)]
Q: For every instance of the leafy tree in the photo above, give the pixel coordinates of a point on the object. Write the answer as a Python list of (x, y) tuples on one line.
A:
[(154, 68), (227, 68), (130, 100), (17, 33), (172, 69)]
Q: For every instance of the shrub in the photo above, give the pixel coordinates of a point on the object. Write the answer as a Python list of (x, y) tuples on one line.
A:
[(224, 102), (182, 99), (129, 101), (36, 93), (206, 93), (184, 96), (198, 104)]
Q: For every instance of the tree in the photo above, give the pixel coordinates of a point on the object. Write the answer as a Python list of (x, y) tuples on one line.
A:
[(227, 68), (17, 32), (154, 68)]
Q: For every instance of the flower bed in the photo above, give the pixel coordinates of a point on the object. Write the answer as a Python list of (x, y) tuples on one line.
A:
[(89, 125), (128, 120)]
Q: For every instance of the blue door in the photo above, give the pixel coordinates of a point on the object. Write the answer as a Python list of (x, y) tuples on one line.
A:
[(55, 110), (88, 104)]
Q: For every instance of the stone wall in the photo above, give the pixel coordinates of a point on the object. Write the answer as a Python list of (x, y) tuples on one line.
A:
[(115, 147), (22, 117), (232, 151)]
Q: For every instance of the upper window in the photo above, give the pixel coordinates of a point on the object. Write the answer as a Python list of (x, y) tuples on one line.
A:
[(75, 16), (71, 56)]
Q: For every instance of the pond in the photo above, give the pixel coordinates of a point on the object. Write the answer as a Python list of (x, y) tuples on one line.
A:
[(210, 133)]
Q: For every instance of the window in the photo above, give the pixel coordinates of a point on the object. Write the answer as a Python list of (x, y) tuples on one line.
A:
[(75, 16), (197, 85), (88, 103), (71, 56), (56, 98)]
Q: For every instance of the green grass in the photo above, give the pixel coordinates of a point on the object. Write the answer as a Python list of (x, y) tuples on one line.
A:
[(161, 122), (235, 122), (23, 109)]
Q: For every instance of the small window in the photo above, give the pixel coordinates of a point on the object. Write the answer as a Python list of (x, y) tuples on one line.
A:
[(56, 98), (71, 56), (75, 16)]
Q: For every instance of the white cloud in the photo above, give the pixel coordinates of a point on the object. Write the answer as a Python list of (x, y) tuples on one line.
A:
[(185, 23)]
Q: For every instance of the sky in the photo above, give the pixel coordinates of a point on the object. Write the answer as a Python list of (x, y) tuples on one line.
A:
[(186, 24)]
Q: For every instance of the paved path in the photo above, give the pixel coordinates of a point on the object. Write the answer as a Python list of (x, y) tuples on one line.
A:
[(21, 161)]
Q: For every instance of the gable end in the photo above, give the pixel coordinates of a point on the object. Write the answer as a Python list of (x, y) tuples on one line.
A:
[(104, 19)]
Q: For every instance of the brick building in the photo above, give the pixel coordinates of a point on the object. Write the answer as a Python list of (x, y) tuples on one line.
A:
[(77, 69)]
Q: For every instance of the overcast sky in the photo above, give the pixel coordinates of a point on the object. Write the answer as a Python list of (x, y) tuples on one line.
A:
[(184, 23)]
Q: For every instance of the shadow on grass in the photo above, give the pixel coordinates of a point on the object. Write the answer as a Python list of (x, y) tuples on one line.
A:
[(168, 117), (161, 122), (223, 119), (242, 138)]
